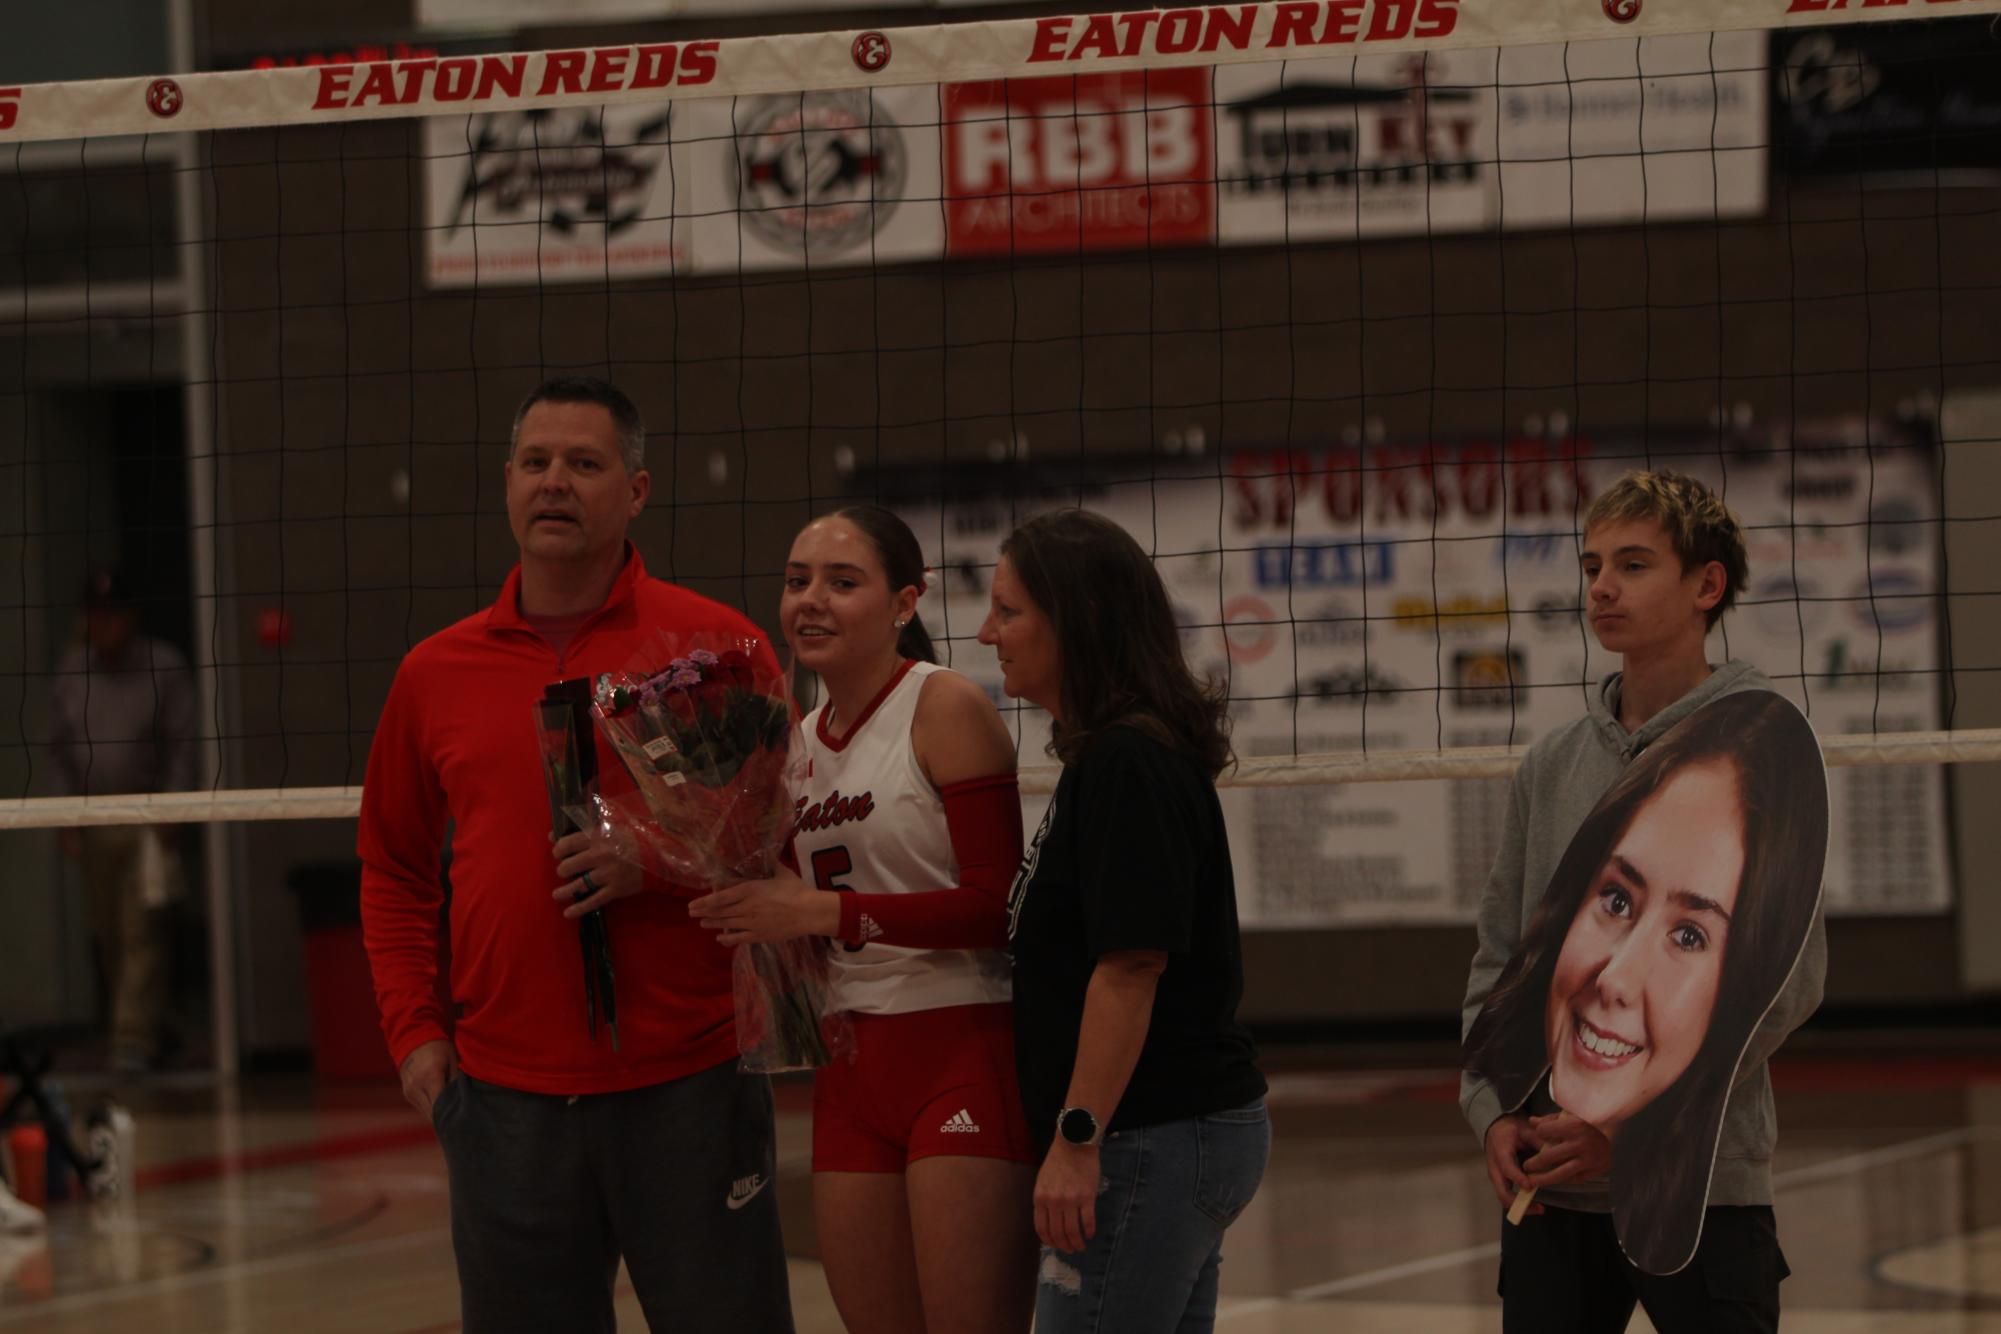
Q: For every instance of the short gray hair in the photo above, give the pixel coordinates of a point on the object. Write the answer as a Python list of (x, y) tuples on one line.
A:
[(625, 417)]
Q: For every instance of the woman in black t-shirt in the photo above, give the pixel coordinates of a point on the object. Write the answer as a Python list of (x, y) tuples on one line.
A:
[(1123, 923)]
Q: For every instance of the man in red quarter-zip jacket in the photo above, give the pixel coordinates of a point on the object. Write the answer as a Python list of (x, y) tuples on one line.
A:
[(563, 1154)]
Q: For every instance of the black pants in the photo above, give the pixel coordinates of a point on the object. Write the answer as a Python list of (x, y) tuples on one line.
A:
[(548, 1192), (1562, 1272)]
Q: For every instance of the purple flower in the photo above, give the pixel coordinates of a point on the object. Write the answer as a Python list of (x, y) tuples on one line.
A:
[(704, 657), (687, 676)]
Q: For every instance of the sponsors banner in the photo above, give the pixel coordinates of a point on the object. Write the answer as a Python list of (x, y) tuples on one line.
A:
[(1406, 597), (916, 55)]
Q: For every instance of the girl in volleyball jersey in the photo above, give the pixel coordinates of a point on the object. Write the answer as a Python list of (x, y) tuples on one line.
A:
[(908, 835)]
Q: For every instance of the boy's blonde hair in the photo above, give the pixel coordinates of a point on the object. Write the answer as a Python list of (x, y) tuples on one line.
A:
[(1698, 524)]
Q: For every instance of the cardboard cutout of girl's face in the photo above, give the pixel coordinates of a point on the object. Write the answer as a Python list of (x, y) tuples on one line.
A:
[(1636, 980), (1669, 926)]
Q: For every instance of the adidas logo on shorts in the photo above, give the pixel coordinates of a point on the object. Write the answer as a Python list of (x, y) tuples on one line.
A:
[(961, 1124)]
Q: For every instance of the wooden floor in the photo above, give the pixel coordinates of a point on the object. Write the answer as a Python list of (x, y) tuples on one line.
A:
[(281, 1207)]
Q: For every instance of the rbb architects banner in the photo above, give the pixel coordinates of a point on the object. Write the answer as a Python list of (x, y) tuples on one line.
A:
[(834, 179), (572, 195), (1413, 597), (1092, 162), (1539, 136)]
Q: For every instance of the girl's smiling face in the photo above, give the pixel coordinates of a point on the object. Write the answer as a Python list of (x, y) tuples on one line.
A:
[(838, 611), (1636, 981)]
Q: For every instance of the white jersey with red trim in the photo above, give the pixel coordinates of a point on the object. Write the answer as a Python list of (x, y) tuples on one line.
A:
[(869, 820)]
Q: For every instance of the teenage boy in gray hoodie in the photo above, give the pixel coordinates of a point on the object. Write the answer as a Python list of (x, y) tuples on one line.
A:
[(1663, 560)]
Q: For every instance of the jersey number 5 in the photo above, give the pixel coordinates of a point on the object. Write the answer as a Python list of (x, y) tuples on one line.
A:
[(829, 864)]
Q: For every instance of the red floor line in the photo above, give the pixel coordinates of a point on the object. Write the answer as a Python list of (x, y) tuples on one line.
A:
[(284, 1155)]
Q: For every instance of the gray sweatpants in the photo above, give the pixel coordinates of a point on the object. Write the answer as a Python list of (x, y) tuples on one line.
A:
[(548, 1192)]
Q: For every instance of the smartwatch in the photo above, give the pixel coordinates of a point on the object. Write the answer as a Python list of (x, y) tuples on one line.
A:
[(1077, 1126)]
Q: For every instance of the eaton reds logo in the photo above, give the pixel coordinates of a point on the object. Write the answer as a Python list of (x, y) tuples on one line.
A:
[(871, 52), (1622, 11), (610, 69), (163, 98), (1173, 32)]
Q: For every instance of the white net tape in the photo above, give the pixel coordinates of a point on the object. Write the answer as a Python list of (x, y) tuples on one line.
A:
[(1980, 746), (804, 62)]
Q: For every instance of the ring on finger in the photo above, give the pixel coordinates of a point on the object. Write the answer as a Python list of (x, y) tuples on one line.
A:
[(590, 885)]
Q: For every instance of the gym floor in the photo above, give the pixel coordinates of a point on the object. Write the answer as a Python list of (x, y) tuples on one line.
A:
[(278, 1206)]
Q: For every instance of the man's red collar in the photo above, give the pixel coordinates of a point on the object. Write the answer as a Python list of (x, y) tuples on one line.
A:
[(505, 614)]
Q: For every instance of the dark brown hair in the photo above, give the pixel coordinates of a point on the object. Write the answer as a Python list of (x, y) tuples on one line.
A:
[(625, 418), (902, 562), (1121, 650), (1663, 1154)]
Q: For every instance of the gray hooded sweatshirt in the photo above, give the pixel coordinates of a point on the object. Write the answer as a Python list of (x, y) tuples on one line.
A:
[(1560, 780)]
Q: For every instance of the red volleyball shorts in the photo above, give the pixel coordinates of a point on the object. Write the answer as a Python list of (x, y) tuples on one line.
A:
[(931, 1083)]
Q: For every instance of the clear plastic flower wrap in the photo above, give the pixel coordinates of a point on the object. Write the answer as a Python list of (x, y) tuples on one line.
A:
[(704, 725)]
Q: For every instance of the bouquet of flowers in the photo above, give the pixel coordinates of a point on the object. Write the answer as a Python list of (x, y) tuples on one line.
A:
[(704, 726)]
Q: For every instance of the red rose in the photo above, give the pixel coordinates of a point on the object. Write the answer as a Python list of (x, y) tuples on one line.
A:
[(680, 703), (734, 668)]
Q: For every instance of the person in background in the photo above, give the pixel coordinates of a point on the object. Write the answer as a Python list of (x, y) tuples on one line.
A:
[(1128, 968), (564, 1156), (122, 720)]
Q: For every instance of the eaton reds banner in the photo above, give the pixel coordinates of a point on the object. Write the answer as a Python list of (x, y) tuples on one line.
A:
[(918, 55)]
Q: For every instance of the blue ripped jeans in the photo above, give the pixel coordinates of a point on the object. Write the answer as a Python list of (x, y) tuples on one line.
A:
[(1168, 1193)]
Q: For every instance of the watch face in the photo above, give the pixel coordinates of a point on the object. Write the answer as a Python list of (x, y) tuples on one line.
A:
[(1078, 1126)]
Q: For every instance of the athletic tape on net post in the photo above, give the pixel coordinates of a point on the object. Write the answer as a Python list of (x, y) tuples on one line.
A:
[(938, 53), (344, 803)]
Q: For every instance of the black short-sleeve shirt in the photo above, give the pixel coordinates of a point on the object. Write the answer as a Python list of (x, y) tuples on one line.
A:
[(1132, 855)]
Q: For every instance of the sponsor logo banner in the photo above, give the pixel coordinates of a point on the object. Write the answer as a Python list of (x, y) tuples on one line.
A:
[(1539, 136), (1093, 162), (559, 196), (1851, 99), (840, 178)]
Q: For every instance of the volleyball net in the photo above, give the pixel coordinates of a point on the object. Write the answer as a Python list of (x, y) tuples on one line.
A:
[(1346, 309)]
